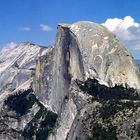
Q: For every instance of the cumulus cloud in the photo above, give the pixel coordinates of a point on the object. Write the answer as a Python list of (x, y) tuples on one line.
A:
[(45, 27), (9, 46), (127, 29), (25, 29)]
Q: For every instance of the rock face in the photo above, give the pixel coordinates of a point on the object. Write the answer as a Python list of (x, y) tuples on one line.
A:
[(64, 90), (17, 66), (104, 56), (22, 115)]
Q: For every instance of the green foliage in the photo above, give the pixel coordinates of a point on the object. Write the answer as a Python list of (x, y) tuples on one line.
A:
[(113, 100), (21, 102), (101, 133), (112, 107), (46, 125), (92, 87), (41, 125), (110, 97), (138, 130)]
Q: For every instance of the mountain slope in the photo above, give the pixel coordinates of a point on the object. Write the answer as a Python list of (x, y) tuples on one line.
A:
[(86, 87), (18, 65), (20, 110)]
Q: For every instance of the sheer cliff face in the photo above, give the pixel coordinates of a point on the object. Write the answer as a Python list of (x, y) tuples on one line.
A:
[(67, 66), (43, 74)]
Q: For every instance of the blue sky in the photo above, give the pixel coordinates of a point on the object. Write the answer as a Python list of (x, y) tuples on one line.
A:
[(36, 20)]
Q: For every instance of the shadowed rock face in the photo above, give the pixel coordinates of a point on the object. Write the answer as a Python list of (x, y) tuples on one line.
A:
[(67, 66), (61, 104)]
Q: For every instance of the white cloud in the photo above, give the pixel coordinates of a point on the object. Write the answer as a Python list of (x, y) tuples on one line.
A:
[(45, 27), (121, 24), (25, 29), (127, 29), (9, 46)]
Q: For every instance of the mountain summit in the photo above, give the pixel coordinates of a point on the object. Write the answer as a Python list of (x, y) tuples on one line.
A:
[(86, 87), (103, 56)]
